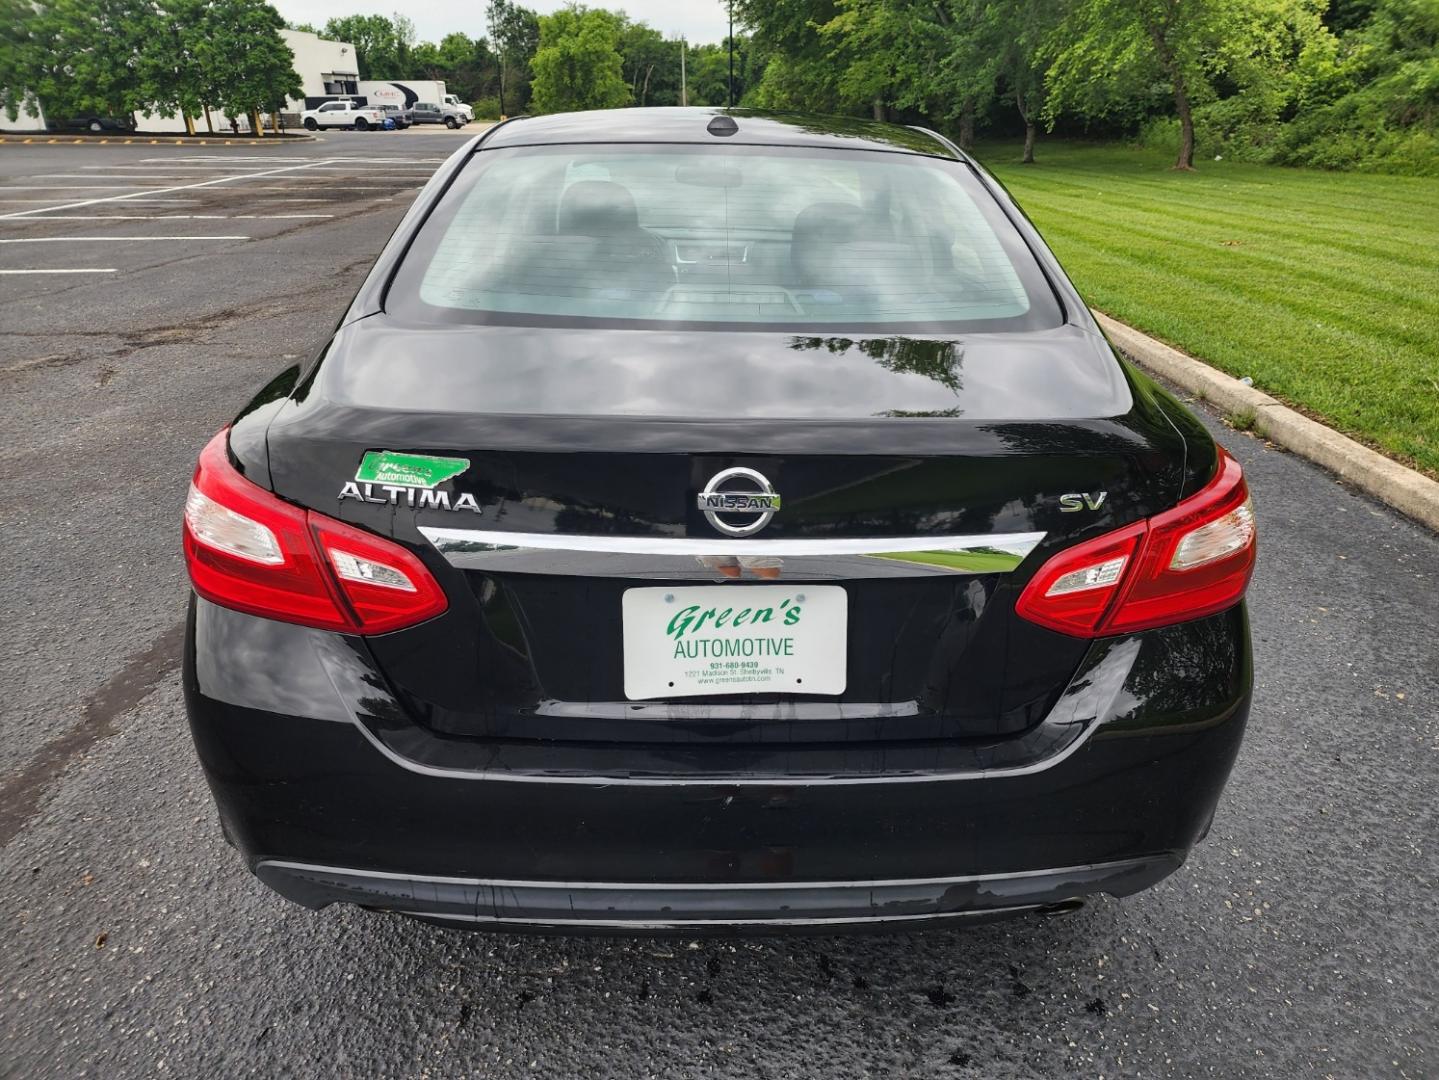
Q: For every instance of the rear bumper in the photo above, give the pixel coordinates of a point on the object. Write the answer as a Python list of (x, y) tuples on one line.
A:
[(647, 907), (332, 796)]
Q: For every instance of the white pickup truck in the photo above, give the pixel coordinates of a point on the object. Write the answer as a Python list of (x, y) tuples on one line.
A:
[(343, 114)]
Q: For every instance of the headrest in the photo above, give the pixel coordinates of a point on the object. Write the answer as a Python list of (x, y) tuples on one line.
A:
[(597, 208)]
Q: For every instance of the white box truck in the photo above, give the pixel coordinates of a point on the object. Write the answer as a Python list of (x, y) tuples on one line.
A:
[(407, 92)]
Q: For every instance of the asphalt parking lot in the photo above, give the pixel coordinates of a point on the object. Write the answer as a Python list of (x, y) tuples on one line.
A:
[(146, 291)]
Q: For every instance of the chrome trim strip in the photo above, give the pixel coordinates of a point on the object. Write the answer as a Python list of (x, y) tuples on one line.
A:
[(456, 544), (778, 710), (677, 924), (600, 780), (700, 886)]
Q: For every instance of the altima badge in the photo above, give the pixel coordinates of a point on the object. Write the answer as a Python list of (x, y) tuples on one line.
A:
[(752, 495)]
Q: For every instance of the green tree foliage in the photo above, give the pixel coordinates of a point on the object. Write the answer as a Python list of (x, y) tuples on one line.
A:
[(578, 64), (85, 57), (180, 64), (707, 69), (379, 53), (1374, 100), (648, 63), (255, 68), (1112, 50), (80, 58), (515, 37)]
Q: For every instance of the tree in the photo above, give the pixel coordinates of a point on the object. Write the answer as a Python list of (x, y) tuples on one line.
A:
[(254, 68), (578, 65), (1018, 34), (515, 34), (644, 53), (377, 45), (83, 57), (177, 62), (1112, 48), (16, 56)]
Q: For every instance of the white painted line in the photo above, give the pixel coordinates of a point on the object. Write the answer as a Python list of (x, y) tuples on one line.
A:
[(89, 270), (186, 202), (73, 187), (137, 178), (109, 239), (159, 191), (13, 220)]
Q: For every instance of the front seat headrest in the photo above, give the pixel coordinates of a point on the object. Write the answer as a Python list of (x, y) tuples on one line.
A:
[(597, 208)]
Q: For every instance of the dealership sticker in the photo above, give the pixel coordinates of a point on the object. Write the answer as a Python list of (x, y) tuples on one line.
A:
[(409, 470), (390, 478)]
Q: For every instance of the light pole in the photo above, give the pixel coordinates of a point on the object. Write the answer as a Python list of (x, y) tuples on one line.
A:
[(684, 93), (731, 54)]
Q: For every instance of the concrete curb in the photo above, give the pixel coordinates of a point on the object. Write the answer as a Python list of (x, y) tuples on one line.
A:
[(44, 139), (1405, 489)]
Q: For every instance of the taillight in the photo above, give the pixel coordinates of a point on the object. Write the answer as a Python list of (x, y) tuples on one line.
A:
[(1185, 563), (249, 550)]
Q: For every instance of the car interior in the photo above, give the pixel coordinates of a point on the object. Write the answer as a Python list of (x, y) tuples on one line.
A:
[(680, 238)]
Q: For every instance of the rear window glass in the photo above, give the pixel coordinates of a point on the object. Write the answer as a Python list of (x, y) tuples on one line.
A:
[(731, 236)]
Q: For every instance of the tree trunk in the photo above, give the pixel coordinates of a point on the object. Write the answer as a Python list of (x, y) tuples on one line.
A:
[(255, 125), (1171, 67), (502, 89), (645, 93), (966, 126), (189, 123), (1185, 160), (209, 124), (878, 108), (1028, 158)]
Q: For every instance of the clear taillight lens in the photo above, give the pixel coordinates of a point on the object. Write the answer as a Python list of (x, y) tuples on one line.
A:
[(1223, 536), (227, 531)]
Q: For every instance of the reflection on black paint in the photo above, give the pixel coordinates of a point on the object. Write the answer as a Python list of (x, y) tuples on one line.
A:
[(937, 360)]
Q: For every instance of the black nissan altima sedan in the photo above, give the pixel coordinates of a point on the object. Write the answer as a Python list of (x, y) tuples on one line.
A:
[(715, 521)]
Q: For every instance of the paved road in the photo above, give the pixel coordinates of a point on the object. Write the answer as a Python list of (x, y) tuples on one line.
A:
[(1298, 941)]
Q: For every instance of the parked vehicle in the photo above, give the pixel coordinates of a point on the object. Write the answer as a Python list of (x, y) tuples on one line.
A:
[(459, 106), (706, 521), (403, 117), (427, 112), (343, 114), (96, 124)]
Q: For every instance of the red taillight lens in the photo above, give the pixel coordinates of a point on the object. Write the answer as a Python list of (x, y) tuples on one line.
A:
[(249, 550), (1188, 562)]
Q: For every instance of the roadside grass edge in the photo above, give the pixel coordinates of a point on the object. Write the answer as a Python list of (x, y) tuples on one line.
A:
[(1406, 490)]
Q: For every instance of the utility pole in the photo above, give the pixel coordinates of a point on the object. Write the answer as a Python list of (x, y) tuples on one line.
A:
[(731, 54), (684, 48)]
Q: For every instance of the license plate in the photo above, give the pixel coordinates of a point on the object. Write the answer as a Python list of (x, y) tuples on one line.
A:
[(734, 639)]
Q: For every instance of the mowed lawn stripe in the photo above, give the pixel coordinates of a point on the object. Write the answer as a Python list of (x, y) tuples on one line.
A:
[(1327, 291), (1391, 405), (1380, 308), (1376, 242)]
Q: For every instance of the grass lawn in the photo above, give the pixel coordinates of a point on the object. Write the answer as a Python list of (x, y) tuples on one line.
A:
[(1322, 286)]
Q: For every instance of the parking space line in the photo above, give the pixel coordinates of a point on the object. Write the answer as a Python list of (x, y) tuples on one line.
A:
[(15, 219), (176, 202), (160, 191), (82, 270), (108, 239)]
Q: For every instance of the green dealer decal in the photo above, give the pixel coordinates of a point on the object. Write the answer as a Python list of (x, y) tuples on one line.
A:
[(409, 470)]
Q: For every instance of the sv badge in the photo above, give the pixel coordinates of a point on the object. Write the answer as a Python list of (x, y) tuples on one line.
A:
[(1073, 503)]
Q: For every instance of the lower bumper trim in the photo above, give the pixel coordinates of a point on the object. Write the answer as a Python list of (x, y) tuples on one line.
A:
[(644, 908)]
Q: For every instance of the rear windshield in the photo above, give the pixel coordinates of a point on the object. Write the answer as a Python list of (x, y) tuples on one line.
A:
[(731, 236)]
